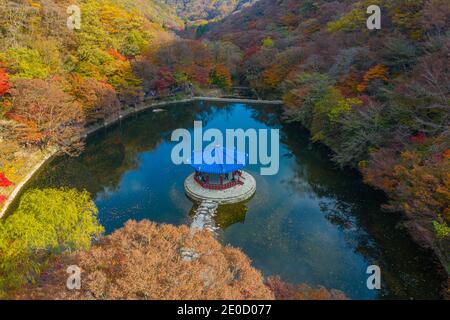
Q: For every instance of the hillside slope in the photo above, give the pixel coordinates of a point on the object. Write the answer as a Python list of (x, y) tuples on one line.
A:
[(195, 10), (377, 98)]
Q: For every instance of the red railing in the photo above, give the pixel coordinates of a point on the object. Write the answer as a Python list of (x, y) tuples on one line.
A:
[(223, 186)]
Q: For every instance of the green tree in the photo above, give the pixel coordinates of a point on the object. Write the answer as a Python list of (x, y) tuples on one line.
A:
[(26, 63), (304, 92), (47, 222), (268, 42)]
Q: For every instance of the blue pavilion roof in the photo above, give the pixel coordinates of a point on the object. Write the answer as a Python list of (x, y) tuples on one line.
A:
[(221, 161)]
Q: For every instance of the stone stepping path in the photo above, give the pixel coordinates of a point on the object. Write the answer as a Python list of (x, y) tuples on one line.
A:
[(204, 216)]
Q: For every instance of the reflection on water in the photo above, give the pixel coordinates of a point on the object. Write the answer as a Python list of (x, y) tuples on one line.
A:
[(312, 222), (226, 215)]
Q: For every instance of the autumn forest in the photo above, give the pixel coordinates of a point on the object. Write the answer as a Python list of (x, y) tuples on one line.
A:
[(377, 99)]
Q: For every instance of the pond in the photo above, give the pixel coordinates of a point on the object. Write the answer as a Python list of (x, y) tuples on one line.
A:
[(312, 222)]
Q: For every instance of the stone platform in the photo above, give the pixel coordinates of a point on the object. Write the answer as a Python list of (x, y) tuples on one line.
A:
[(235, 194)]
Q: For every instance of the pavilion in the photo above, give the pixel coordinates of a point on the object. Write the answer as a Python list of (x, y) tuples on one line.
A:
[(220, 178)]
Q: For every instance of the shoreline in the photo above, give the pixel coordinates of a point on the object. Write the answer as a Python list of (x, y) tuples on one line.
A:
[(91, 130), (48, 155)]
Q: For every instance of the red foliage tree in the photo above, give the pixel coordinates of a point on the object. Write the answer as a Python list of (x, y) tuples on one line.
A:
[(418, 138), (251, 51), (2, 199), (4, 181), (4, 82), (165, 79)]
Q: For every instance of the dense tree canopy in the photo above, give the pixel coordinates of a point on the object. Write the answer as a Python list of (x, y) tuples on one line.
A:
[(47, 114), (146, 261), (47, 222), (378, 98), (204, 11), (123, 51)]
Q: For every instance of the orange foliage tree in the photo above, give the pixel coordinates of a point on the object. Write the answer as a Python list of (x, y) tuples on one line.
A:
[(98, 98), (418, 183), (274, 75), (116, 55), (46, 114), (221, 76), (378, 72), (146, 261)]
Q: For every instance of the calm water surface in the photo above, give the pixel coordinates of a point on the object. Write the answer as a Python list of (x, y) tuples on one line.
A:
[(312, 222)]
